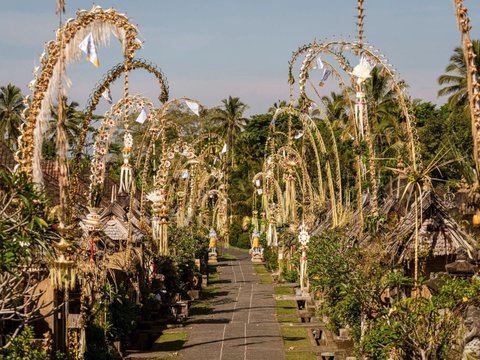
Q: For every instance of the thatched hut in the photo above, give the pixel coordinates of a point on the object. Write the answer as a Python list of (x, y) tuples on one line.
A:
[(440, 237)]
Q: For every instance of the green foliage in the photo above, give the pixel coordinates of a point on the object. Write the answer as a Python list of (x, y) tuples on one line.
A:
[(122, 313), (25, 234), (352, 280), (445, 129), (112, 318), (73, 121), (417, 326), (239, 237), (23, 348), (455, 77), (290, 276), (270, 254), (11, 108)]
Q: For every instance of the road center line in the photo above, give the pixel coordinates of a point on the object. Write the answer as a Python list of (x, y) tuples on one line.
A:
[(245, 343), (223, 340), (250, 306)]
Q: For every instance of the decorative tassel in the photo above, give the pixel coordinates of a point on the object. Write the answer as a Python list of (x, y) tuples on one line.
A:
[(255, 220), (360, 108), (163, 238), (126, 171), (181, 219), (155, 228), (221, 220), (290, 203), (159, 220), (189, 215), (272, 234), (63, 274), (263, 223), (226, 235)]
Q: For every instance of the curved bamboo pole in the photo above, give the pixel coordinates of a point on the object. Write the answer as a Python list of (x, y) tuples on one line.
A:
[(335, 48), (112, 75), (101, 23)]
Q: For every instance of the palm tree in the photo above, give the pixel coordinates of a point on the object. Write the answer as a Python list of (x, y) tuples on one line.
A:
[(383, 110), (231, 122), (276, 105), (11, 108), (72, 127), (455, 77)]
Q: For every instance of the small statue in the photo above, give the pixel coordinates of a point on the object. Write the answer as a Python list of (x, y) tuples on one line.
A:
[(212, 247), (256, 250)]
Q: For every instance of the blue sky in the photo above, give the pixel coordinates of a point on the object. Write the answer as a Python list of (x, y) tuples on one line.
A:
[(211, 49)]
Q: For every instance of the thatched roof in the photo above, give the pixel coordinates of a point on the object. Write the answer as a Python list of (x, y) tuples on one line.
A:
[(438, 233), (115, 224)]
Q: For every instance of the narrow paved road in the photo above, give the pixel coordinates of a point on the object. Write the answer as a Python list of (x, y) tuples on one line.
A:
[(243, 324)]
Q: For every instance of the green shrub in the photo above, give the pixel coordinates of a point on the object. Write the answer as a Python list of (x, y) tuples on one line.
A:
[(289, 275), (23, 348)]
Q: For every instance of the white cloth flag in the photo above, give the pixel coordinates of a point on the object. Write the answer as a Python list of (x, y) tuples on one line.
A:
[(298, 136), (224, 149), (107, 96), (184, 174), (363, 69), (88, 47), (257, 183), (193, 106), (142, 116), (319, 63)]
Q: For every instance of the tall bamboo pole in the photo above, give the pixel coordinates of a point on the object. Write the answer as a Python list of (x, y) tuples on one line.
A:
[(368, 130), (473, 85)]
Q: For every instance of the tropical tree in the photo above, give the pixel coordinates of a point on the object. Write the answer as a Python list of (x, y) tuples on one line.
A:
[(231, 122), (26, 238), (11, 108), (72, 127), (276, 105), (454, 80), (383, 111)]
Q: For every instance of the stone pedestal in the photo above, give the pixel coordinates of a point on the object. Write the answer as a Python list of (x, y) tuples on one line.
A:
[(257, 255), (212, 258)]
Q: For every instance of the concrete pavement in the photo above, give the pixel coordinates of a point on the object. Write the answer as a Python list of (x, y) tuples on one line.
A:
[(243, 323)]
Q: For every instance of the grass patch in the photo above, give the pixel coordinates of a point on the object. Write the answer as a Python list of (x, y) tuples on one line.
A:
[(213, 277), (288, 319), (283, 290), (264, 275), (286, 307), (295, 337), (239, 249), (199, 308), (286, 311), (227, 257), (170, 341), (301, 355)]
